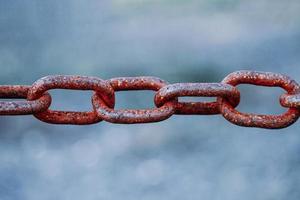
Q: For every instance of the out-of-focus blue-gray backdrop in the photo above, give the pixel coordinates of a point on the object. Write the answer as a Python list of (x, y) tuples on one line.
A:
[(184, 157)]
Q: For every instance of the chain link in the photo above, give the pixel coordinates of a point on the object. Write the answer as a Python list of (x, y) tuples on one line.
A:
[(253, 120), (176, 90), (103, 90), (165, 99), (38, 105), (129, 116)]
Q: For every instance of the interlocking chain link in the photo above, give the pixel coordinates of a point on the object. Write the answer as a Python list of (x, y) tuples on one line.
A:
[(176, 90), (129, 116), (166, 99), (103, 90), (38, 105), (253, 120)]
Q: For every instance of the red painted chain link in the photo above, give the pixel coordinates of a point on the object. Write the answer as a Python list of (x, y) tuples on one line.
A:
[(166, 99)]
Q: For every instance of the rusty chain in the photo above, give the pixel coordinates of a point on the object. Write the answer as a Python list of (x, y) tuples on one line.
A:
[(38, 100)]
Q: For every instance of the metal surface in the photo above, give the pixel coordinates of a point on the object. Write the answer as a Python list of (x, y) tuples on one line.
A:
[(129, 116), (166, 99), (253, 120), (101, 87), (41, 104), (290, 100), (176, 90)]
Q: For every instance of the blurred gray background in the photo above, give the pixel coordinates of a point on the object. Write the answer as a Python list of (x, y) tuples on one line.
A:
[(184, 157)]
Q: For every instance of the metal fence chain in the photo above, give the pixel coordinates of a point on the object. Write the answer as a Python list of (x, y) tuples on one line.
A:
[(38, 100)]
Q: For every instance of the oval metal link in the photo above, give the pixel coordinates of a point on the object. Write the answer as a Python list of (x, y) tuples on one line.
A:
[(173, 91), (262, 79), (21, 107), (130, 116), (101, 88)]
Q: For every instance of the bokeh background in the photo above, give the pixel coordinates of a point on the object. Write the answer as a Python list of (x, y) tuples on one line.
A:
[(184, 157)]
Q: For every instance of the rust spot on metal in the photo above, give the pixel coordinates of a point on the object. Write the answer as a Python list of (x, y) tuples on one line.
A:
[(290, 100), (68, 117), (137, 83)]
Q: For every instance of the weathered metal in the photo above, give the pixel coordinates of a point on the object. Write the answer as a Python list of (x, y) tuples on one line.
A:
[(263, 79), (41, 104), (173, 91), (101, 88), (166, 99), (130, 116), (290, 100)]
